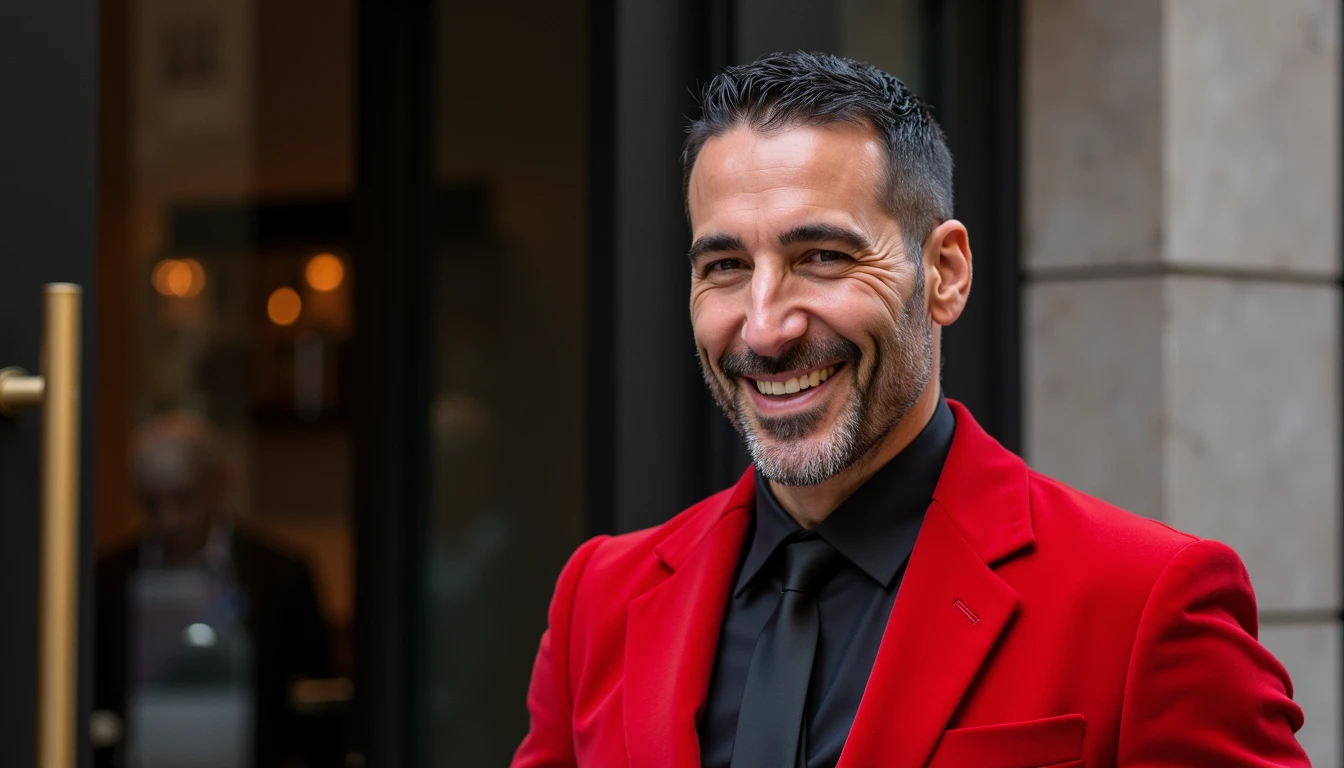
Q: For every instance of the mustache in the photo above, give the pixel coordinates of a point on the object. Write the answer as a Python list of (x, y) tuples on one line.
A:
[(804, 355)]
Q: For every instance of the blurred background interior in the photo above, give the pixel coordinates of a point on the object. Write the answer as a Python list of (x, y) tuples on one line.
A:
[(411, 273)]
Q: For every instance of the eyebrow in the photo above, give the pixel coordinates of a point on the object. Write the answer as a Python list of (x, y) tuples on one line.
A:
[(715, 244), (824, 233), (803, 233)]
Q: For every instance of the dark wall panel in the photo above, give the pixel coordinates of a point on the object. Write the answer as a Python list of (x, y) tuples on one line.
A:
[(656, 437), (783, 26)]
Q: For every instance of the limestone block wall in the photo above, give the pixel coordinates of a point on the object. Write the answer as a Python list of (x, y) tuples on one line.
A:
[(1181, 166)]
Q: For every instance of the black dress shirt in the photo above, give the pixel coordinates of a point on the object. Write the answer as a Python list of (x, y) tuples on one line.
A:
[(874, 530)]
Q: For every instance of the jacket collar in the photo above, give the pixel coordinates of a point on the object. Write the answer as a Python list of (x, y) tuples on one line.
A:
[(982, 489), (680, 543)]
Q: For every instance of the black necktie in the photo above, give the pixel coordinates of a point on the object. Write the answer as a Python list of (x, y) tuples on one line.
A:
[(770, 724)]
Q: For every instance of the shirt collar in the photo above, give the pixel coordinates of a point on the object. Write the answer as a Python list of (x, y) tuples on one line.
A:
[(876, 527)]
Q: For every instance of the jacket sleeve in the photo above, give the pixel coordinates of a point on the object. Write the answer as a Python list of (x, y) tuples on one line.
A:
[(550, 738), (1201, 690)]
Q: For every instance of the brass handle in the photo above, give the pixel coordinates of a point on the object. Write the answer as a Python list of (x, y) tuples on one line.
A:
[(56, 390)]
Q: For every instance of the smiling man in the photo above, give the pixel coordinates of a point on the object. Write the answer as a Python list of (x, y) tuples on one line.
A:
[(888, 586)]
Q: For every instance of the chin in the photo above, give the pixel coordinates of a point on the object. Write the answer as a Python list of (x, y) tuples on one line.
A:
[(798, 462)]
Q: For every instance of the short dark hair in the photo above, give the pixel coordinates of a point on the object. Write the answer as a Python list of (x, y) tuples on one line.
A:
[(784, 90)]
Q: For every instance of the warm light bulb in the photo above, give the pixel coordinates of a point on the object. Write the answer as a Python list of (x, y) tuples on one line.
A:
[(284, 306), (324, 272), (182, 278), (179, 279)]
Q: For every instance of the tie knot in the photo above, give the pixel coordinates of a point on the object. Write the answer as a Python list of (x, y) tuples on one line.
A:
[(808, 564)]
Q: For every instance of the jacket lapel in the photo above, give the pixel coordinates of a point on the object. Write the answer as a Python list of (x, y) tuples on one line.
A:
[(948, 615), (951, 608), (673, 632)]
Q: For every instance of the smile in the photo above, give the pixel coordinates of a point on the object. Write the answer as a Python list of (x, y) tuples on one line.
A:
[(813, 378)]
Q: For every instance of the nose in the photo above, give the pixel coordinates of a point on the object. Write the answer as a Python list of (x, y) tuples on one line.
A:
[(774, 318)]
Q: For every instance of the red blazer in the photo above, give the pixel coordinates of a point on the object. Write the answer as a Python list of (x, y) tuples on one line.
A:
[(1035, 626)]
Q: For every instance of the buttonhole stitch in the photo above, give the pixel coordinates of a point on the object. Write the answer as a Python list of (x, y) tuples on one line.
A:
[(967, 612)]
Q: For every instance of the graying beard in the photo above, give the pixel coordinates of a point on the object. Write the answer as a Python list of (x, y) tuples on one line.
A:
[(827, 461), (779, 462)]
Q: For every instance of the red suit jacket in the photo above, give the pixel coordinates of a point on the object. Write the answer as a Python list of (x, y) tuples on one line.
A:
[(1035, 626)]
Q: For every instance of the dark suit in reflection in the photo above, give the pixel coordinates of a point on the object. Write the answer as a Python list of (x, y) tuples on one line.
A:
[(280, 612), (203, 628)]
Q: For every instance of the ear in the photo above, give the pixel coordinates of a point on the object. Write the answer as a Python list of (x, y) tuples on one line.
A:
[(947, 271)]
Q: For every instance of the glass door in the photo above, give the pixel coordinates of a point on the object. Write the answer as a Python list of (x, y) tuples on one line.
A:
[(222, 532)]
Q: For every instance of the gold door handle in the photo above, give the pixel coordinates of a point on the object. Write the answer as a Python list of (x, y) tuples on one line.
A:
[(56, 390)]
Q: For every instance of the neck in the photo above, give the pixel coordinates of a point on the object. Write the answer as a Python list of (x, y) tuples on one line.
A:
[(809, 505)]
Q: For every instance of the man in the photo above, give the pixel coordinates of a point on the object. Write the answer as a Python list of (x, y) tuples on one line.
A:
[(169, 603), (889, 586)]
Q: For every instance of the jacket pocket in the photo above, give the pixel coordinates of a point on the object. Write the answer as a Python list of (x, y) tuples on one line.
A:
[(1052, 741)]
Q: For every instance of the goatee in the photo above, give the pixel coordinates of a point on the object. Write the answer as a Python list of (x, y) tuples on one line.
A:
[(883, 387)]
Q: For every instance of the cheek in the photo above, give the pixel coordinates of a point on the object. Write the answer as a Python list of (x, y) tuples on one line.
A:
[(878, 297), (856, 312), (716, 321)]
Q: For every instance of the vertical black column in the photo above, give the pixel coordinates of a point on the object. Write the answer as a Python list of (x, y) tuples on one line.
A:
[(601, 364), (647, 403), (394, 192), (976, 93)]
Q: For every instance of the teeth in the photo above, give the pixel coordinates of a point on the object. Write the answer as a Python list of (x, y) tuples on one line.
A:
[(813, 379)]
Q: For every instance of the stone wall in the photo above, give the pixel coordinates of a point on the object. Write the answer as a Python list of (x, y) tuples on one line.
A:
[(1182, 301)]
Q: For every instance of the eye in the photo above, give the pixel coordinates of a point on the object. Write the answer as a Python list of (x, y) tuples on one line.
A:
[(724, 265), (828, 257)]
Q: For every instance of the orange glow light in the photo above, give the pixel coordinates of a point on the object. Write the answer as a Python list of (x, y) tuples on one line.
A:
[(284, 306), (182, 278), (324, 272)]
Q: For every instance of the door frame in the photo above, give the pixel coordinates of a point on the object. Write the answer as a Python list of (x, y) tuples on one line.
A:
[(393, 238)]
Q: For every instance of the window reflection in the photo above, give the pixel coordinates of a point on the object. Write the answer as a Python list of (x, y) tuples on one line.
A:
[(224, 593), (204, 625)]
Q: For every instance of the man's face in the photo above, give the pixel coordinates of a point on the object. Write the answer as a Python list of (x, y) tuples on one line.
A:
[(809, 313), (179, 498)]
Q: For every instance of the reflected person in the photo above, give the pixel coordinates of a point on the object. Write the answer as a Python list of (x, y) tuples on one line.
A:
[(888, 586), (199, 615)]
